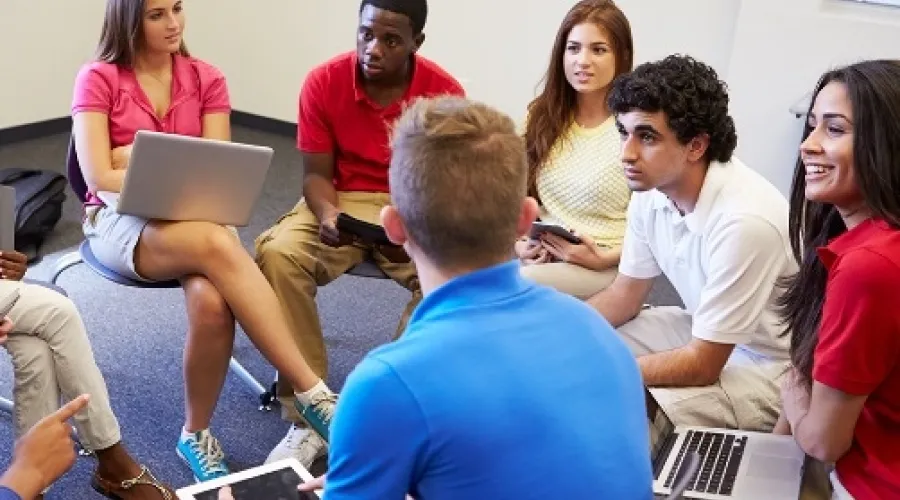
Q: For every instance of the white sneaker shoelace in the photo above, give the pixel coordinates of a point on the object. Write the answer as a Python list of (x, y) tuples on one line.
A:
[(209, 453)]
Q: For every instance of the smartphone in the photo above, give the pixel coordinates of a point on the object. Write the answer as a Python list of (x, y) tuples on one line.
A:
[(540, 227), (7, 303)]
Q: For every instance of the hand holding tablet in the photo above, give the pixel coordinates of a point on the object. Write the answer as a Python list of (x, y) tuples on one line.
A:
[(366, 232), (274, 481), (538, 228)]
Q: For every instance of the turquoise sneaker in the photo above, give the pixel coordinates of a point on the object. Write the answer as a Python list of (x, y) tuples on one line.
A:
[(319, 412), (203, 454)]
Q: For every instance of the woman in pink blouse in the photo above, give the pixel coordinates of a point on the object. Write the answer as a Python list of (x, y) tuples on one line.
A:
[(144, 79)]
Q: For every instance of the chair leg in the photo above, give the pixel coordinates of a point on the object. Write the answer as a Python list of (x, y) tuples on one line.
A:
[(63, 263), (248, 379), (6, 405), (269, 398)]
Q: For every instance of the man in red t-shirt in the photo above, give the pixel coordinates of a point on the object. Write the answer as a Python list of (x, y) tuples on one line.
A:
[(347, 105)]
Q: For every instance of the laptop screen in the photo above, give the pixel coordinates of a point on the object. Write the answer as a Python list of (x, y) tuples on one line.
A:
[(660, 426)]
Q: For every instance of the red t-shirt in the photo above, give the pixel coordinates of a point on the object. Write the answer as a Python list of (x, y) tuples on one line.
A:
[(859, 351), (336, 116)]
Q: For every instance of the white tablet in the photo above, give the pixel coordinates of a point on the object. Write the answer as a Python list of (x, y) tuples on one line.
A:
[(274, 481)]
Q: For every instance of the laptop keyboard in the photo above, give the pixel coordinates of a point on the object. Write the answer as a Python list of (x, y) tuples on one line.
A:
[(720, 457)]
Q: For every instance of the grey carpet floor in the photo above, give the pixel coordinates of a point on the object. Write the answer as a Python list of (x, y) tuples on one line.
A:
[(138, 334)]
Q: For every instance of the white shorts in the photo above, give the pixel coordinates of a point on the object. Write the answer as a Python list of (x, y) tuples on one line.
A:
[(113, 238)]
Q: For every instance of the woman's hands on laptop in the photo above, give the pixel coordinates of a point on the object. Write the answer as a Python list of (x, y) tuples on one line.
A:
[(120, 157)]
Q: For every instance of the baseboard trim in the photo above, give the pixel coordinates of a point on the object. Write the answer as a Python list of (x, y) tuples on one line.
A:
[(264, 123), (53, 126), (35, 130)]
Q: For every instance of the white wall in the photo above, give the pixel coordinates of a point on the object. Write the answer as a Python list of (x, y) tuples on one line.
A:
[(41, 53), (781, 48), (498, 50), (769, 51)]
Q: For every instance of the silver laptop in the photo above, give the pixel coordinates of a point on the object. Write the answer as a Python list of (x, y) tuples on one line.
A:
[(733, 464), (182, 178), (7, 217)]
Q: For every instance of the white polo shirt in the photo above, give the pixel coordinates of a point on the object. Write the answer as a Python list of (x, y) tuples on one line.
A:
[(724, 258)]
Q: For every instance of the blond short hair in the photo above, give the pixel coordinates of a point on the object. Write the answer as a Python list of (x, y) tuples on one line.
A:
[(458, 179)]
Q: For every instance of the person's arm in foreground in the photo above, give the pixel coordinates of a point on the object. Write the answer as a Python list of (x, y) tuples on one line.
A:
[(858, 348), (378, 437), (316, 142), (587, 254), (623, 299), (42, 455), (746, 259), (103, 168)]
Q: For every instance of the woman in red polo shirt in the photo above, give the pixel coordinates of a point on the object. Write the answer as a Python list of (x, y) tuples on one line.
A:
[(144, 78), (842, 403)]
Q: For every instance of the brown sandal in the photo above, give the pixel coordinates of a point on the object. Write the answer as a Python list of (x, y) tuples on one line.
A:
[(111, 489)]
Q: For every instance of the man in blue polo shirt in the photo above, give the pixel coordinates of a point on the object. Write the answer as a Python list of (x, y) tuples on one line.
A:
[(500, 388)]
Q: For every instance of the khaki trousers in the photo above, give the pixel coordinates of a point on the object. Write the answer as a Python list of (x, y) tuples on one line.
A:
[(52, 359), (747, 395), (296, 263)]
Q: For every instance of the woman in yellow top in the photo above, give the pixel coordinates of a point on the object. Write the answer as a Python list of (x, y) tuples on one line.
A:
[(573, 153)]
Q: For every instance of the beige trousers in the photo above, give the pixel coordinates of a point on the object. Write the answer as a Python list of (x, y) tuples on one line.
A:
[(747, 395), (571, 279), (52, 360), (296, 263)]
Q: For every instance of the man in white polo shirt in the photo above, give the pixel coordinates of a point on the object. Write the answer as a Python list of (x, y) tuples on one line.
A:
[(718, 231)]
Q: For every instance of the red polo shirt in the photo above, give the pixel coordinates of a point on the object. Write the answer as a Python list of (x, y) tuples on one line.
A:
[(336, 116), (859, 351)]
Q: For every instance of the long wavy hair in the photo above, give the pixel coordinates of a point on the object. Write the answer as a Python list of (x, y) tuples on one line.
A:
[(550, 113), (122, 35), (875, 102)]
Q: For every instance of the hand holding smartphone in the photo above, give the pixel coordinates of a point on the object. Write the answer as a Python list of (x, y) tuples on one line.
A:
[(538, 228)]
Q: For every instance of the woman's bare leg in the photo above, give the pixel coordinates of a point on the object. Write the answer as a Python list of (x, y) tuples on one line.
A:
[(169, 250), (210, 341)]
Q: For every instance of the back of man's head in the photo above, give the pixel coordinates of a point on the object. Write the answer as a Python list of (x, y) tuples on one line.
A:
[(458, 179), (415, 10)]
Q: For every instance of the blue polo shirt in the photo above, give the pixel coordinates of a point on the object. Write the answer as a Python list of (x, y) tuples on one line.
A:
[(500, 388)]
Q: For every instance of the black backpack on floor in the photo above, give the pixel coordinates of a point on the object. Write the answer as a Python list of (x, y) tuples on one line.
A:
[(39, 199)]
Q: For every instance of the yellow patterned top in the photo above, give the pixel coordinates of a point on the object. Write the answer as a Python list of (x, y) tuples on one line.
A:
[(582, 185)]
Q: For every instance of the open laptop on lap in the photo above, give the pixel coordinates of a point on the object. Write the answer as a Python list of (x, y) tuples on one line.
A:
[(183, 178), (734, 464)]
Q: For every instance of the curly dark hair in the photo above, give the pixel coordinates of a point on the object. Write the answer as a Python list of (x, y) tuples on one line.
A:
[(691, 95)]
